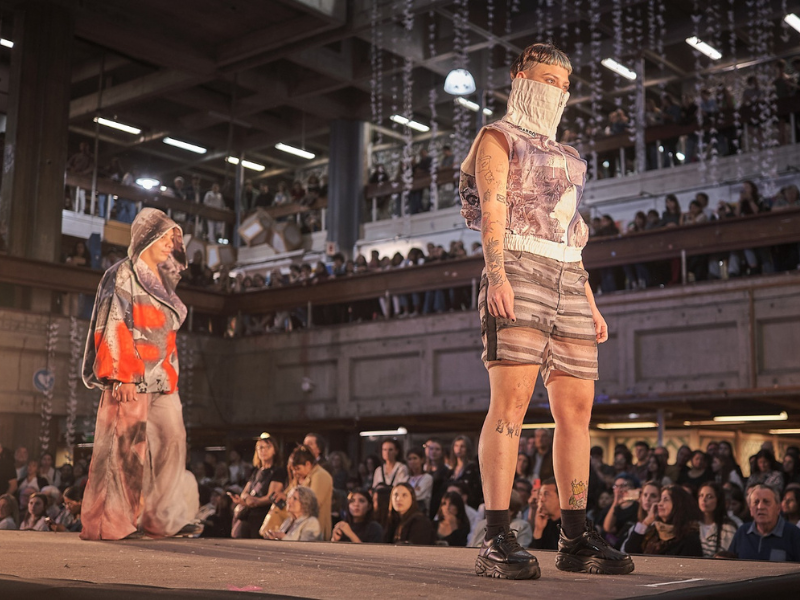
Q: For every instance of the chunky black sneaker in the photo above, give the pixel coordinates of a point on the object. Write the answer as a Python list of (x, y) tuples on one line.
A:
[(503, 557), (590, 553), (190, 530)]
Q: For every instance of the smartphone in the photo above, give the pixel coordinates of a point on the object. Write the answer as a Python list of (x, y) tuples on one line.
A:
[(632, 495)]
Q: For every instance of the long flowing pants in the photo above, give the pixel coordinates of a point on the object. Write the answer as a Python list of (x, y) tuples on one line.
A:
[(138, 478)]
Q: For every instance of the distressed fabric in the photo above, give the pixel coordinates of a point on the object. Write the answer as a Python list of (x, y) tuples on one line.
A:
[(553, 327), (132, 334), (137, 477), (545, 179)]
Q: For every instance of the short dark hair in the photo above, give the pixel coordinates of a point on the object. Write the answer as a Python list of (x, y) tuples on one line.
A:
[(524, 482), (551, 481), (462, 486), (596, 451), (546, 54), (302, 455), (321, 443), (641, 443)]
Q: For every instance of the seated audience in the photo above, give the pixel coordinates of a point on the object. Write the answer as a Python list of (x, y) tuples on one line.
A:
[(310, 474), (524, 466), (698, 472), (738, 511), (391, 471), (421, 482), (33, 479), (69, 518), (791, 469), (675, 530), (359, 525), (302, 524), (461, 488), (769, 536), (547, 520), (406, 523), (521, 528), (9, 512), (339, 468), (466, 469), (36, 517), (453, 526), (218, 524), (648, 511), (768, 471), (790, 507), (724, 471), (624, 509), (438, 469), (716, 528)]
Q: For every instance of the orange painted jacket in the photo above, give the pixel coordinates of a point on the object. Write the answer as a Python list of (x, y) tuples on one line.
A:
[(136, 317)]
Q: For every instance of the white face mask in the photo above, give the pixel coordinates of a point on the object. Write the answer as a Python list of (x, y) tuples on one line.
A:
[(535, 106)]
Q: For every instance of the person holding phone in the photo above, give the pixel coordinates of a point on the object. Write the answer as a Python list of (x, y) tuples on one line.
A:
[(649, 496), (621, 516)]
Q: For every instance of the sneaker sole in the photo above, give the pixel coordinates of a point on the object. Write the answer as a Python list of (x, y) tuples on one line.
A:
[(594, 566), (489, 568)]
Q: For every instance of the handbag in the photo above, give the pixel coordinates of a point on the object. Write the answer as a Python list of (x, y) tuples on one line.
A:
[(274, 519)]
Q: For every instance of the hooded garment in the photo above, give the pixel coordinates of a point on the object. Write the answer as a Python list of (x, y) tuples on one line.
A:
[(132, 334), (545, 179)]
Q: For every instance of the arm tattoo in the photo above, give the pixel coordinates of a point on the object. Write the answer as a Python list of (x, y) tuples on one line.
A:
[(577, 500), (485, 167), (501, 199), (509, 428), (493, 253)]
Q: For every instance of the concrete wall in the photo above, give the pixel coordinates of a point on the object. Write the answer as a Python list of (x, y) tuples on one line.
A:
[(736, 335)]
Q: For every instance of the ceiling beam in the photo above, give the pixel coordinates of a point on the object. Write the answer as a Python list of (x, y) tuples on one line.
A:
[(91, 68), (328, 10)]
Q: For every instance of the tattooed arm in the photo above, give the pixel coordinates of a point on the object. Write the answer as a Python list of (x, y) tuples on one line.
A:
[(491, 174)]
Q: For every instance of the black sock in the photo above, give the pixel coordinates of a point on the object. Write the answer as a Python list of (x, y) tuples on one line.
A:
[(573, 522), (497, 521)]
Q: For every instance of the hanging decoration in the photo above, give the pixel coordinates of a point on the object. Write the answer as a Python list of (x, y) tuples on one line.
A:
[(489, 94), (763, 38), (433, 95), (634, 32), (577, 61), (698, 153), (408, 113), (512, 8), (461, 113), (73, 379), (47, 380), (186, 383), (737, 117), (712, 35), (546, 7), (595, 52), (376, 60)]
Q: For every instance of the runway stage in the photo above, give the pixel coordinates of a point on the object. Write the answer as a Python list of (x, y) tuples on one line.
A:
[(52, 566)]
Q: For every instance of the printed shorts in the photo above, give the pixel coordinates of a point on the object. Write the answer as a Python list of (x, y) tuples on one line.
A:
[(553, 327)]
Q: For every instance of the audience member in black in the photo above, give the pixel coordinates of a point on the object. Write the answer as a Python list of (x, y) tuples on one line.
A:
[(219, 524), (735, 504), (406, 524), (624, 509), (9, 513), (791, 469), (524, 466), (716, 528), (339, 469), (768, 471), (8, 473), (649, 496), (524, 488), (725, 471), (69, 518), (466, 469), (542, 457), (379, 174), (264, 198), (446, 162), (33, 479), (676, 530), (453, 526), (605, 472), (547, 520), (671, 217), (790, 506), (675, 470), (656, 471), (641, 452), (623, 460), (318, 446), (698, 473), (359, 525), (435, 465), (67, 476), (421, 481), (268, 478)]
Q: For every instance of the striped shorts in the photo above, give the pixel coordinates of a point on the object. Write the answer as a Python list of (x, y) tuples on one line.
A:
[(553, 327)]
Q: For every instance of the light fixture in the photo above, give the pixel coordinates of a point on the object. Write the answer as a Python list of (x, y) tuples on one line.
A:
[(459, 82), (214, 448), (628, 425), (398, 431), (680, 156), (752, 418), (411, 124), (606, 164), (184, 145), (120, 126), (792, 19), (147, 183), (619, 69), (163, 188), (473, 106), (10, 44), (296, 151), (706, 49), (245, 163), (706, 423), (538, 426), (784, 431)]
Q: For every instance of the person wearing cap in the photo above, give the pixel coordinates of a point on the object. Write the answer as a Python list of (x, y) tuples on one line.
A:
[(131, 356)]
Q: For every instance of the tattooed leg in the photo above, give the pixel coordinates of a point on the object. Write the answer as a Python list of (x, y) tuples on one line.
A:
[(577, 499)]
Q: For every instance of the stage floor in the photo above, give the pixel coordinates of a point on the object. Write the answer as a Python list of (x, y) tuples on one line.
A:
[(55, 566)]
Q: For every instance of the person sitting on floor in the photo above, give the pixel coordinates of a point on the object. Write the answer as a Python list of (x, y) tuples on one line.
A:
[(359, 526), (36, 519), (769, 536), (302, 524), (675, 531), (716, 528), (453, 524), (648, 510), (547, 521), (406, 523), (69, 518)]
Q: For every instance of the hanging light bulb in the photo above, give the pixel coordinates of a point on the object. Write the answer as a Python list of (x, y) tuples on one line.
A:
[(459, 82)]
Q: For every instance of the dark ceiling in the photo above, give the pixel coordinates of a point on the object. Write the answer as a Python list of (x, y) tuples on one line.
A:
[(241, 75)]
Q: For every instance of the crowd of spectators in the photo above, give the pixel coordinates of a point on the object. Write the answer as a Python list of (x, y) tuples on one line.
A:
[(700, 505), (768, 259)]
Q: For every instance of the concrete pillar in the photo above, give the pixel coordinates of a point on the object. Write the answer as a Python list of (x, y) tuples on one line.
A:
[(347, 175), (641, 124), (35, 155)]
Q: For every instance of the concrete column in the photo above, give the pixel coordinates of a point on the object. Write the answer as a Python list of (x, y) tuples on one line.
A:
[(35, 154), (346, 178), (641, 145)]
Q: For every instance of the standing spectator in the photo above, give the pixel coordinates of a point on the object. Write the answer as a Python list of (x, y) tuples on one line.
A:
[(302, 524), (213, 198), (318, 446), (671, 217), (421, 482), (524, 466), (768, 471), (9, 512), (21, 461), (547, 518), (648, 511), (641, 452), (605, 472), (716, 528), (453, 525), (8, 474), (48, 470), (438, 469), (392, 471), (311, 475), (35, 520), (675, 531), (339, 469), (769, 536), (359, 525), (466, 469), (655, 471), (249, 195), (407, 524), (238, 470), (265, 197), (81, 163), (790, 507), (446, 161), (542, 457)]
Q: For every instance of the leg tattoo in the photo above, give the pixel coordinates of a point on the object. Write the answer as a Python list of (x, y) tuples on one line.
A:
[(509, 428), (577, 500)]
